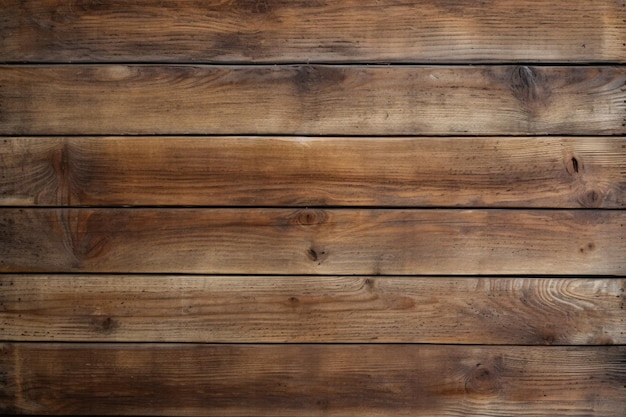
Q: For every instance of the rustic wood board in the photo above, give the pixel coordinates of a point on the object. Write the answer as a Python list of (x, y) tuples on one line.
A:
[(312, 100), (437, 31), (309, 380), (314, 241), (552, 172), (277, 309)]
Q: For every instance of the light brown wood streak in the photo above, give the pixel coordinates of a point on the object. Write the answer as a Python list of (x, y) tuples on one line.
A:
[(308, 380), (312, 100), (277, 309), (312, 31), (313, 241), (556, 172)]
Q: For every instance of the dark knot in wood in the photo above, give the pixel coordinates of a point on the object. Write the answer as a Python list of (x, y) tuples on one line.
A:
[(310, 217)]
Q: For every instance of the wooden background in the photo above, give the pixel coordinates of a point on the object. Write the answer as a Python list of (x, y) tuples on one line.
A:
[(313, 208)]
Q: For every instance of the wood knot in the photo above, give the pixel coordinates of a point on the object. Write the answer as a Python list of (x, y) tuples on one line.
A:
[(369, 283), (316, 255), (591, 199), (524, 82), (310, 217), (589, 247), (483, 379), (526, 86), (104, 325), (573, 165)]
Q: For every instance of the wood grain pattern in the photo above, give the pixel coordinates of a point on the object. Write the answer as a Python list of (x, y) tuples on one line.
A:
[(313, 207), (313, 241), (279, 309), (313, 31), (312, 100), (553, 172), (309, 380)]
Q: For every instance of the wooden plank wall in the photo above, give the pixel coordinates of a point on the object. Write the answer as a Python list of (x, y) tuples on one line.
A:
[(306, 208)]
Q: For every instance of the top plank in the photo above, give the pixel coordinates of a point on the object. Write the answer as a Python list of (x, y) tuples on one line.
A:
[(340, 31)]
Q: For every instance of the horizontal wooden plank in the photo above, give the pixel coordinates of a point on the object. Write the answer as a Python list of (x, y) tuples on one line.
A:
[(312, 100), (254, 309), (314, 241), (306, 31), (556, 172), (306, 380)]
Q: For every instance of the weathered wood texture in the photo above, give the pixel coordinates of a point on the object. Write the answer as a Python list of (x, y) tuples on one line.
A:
[(309, 380), (314, 241), (553, 172), (305, 99), (278, 309), (437, 31), (367, 240)]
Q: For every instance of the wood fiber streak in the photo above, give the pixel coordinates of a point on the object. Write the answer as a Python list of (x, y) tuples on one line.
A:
[(540, 172), (437, 31), (278, 309), (307, 380), (312, 100), (313, 241)]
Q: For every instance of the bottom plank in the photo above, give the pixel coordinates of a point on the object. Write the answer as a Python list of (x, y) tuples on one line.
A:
[(301, 380)]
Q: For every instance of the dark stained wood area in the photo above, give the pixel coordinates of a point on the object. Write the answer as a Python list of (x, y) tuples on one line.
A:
[(309, 380), (371, 208), (338, 309), (312, 100), (549, 172), (273, 31)]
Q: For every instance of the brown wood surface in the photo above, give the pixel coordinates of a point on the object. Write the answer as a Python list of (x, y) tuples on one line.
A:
[(309, 380), (313, 207), (557, 172), (277, 309), (306, 99), (313, 241), (439, 31)]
